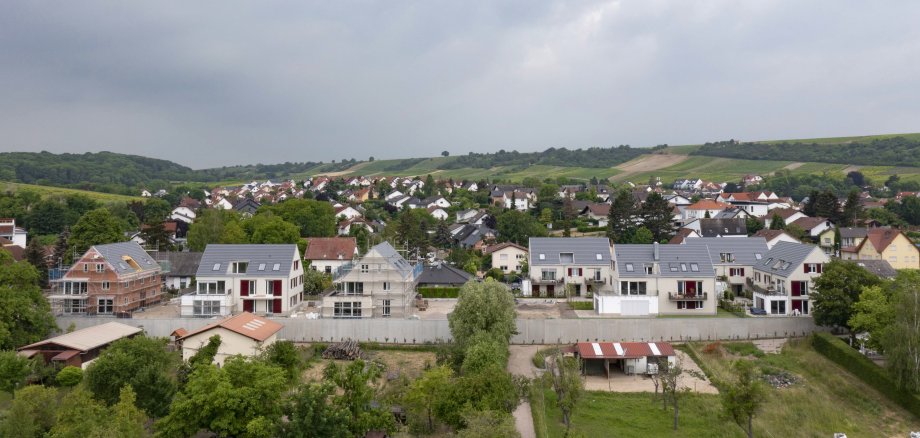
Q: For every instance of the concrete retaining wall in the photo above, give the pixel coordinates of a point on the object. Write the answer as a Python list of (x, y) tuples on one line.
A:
[(531, 331)]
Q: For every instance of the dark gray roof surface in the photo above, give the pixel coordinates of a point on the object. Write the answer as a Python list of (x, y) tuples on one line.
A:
[(745, 250), (182, 264), (723, 227), (784, 258), (586, 251), (853, 232), (443, 274), (256, 254), (395, 260), (114, 254), (878, 267), (673, 260)]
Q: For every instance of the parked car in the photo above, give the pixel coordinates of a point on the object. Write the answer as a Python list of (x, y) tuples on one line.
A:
[(758, 311), (516, 285)]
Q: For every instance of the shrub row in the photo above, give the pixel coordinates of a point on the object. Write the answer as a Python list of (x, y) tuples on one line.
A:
[(840, 353), (439, 292), (584, 229)]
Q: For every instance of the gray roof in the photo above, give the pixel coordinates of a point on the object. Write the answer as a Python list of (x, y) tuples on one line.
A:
[(395, 260), (723, 227), (673, 260), (878, 267), (586, 251), (181, 264), (256, 254), (853, 232), (115, 253), (745, 250), (443, 274), (90, 337), (784, 258)]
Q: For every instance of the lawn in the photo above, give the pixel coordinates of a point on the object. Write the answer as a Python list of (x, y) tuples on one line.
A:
[(46, 191), (720, 313), (603, 414), (826, 399)]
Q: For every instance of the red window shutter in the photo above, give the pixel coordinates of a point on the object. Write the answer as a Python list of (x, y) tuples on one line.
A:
[(247, 305), (820, 267), (244, 288), (742, 272), (277, 287), (570, 272), (796, 288), (276, 308), (805, 267)]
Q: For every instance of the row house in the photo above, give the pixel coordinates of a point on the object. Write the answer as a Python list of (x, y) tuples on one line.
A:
[(112, 279), (653, 279), (264, 279), (556, 263), (733, 260), (379, 284), (784, 278)]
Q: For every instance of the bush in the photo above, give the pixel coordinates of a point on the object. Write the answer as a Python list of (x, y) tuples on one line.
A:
[(743, 349), (439, 292), (69, 376), (539, 358), (866, 370), (582, 305)]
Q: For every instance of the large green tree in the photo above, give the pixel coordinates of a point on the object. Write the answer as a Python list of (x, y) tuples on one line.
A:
[(96, 227), (518, 227), (657, 216), (31, 414), (313, 218), (25, 315), (311, 413), (79, 415), (483, 307), (356, 395), (14, 370), (228, 401), (621, 221), (268, 228), (901, 340), (141, 362), (215, 226), (836, 290)]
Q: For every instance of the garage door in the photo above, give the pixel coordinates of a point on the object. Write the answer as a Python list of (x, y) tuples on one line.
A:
[(635, 308)]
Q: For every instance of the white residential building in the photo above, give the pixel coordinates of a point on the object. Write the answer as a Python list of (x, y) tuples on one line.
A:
[(582, 262), (785, 277), (380, 284)]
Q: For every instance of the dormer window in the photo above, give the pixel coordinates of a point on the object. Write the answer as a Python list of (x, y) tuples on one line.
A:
[(240, 267), (726, 257), (566, 257), (649, 269)]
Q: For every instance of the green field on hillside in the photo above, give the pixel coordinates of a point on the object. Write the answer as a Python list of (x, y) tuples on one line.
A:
[(9, 187)]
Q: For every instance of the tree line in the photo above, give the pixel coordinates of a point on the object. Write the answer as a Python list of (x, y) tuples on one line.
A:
[(893, 151)]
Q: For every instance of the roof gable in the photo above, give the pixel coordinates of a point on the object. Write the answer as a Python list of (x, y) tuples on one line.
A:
[(585, 251), (258, 256), (331, 248), (246, 324)]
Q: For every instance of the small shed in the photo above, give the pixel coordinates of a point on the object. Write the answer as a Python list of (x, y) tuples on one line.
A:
[(80, 347), (629, 357), (245, 334)]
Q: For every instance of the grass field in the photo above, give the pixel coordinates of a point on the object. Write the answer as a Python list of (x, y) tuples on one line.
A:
[(54, 191), (827, 399)]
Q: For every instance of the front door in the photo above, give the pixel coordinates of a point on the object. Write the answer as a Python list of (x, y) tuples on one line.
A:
[(797, 305), (550, 290)]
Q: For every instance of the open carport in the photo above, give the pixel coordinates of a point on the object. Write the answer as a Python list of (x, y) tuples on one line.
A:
[(628, 357)]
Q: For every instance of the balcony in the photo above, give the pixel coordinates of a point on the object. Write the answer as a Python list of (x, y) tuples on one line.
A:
[(546, 280), (594, 280), (769, 291), (688, 297)]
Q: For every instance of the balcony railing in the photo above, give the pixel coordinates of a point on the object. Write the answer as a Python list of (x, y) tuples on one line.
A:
[(543, 280), (688, 297), (771, 291)]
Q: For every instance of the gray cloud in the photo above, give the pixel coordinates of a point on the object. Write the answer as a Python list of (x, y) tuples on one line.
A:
[(216, 83)]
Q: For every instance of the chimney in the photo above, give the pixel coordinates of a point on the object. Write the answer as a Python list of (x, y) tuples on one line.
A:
[(655, 250)]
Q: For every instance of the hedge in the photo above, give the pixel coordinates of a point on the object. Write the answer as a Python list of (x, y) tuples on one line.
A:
[(439, 292), (842, 354)]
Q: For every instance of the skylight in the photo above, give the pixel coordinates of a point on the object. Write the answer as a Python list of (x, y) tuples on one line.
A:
[(599, 256), (758, 255), (629, 267), (276, 267), (683, 267), (216, 267), (261, 266), (542, 256), (695, 267), (673, 267)]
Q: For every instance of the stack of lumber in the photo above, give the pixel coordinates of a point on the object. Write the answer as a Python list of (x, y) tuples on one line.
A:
[(345, 350)]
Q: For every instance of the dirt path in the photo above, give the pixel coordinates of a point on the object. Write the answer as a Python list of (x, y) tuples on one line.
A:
[(851, 168), (793, 166), (647, 163), (519, 363)]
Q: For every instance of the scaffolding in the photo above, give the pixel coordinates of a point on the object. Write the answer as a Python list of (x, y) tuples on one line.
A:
[(65, 298)]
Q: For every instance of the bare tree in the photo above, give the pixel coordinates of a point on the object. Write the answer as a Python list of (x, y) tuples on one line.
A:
[(565, 374), (670, 387)]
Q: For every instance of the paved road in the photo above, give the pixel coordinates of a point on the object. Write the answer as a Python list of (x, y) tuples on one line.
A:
[(519, 363)]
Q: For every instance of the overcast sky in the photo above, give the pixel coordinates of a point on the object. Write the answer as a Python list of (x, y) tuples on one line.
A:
[(218, 83)]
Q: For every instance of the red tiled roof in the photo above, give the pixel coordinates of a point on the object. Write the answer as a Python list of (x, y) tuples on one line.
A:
[(880, 237), (708, 204), (807, 223), (769, 234), (246, 324), (330, 248), (492, 248), (784, 213), (622, 350)]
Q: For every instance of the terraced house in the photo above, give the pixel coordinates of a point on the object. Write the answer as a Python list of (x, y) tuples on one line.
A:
[(261, 279), (580, 262), (785, 277), (380, 284), (658, 279), (111, 279)]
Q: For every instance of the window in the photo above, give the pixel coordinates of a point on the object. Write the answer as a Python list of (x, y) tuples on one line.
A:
[(105, 285), (726, 257), (328, 269), (205, 307), (386, 308), (629, 267), (812, 268), (347, 310), (365, 269), (276, 267), (672, 267), (100, 268), (893, 259), (599, 256), (386, 285), (211, 287), (778, 307), (689, 305), (683, 267), (649, 269), (261, 266), (503, 256), (758, 255), (106, 305), (296, 264), (574, 272), (632, 288), (240, 267), (542, 256), (86, 267), (736, 272), (893, 247), (566, 257), (74, 288), (354, 288), (124, 300), (216, 267), (548, 275), (695, 267)]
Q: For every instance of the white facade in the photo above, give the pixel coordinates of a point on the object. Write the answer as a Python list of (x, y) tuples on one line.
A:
[(509, 259), (231, 344), (380, 284), (787, 294)]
